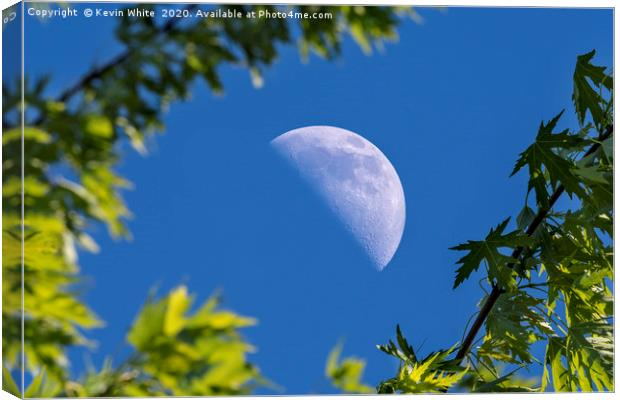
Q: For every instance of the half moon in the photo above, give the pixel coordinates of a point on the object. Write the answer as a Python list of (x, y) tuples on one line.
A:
[(356, 180)]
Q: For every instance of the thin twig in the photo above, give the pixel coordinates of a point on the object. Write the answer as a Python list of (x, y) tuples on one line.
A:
[(496, 292), (99, 72)]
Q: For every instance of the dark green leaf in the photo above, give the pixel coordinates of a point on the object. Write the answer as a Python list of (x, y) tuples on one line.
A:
[(585, 97), (488, 251)]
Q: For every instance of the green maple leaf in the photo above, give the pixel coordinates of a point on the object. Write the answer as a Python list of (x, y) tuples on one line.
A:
[(525, 217), (584, 96), (544, 153), (488, 251), (346, 374), (512, 326), (432, 374), (404, 351)]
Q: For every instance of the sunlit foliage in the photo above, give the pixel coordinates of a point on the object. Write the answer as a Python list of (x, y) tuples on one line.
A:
[(548, 271), (549, 277), (72, 142), (346, 374)]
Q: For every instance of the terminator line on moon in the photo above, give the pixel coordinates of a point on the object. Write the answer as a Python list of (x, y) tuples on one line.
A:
[(356, 180)]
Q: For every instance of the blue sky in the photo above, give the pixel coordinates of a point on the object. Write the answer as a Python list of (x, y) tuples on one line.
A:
[(451, 104)]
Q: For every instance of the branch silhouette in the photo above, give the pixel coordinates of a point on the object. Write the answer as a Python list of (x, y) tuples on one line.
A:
[(497, 291), (100, 71)]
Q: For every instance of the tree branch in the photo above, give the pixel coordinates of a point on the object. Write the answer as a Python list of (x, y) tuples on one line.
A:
[(99, 72), (496, 292)]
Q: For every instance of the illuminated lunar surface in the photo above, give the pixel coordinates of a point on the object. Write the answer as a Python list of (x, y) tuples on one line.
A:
[(356, 180)]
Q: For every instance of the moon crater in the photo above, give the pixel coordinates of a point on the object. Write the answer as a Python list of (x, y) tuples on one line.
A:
[(356, 180)]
